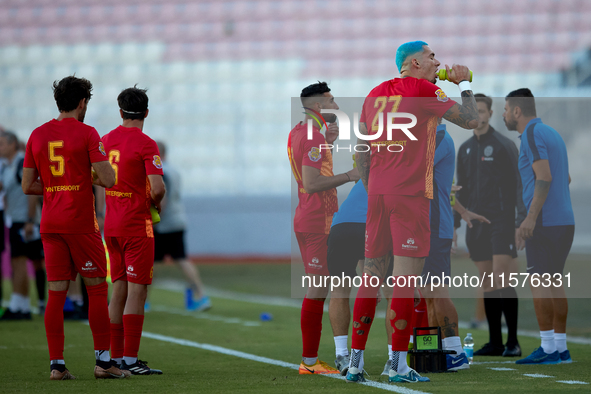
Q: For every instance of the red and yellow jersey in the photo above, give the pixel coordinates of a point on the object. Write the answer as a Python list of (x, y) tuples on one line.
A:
[(133, 156), (62, 152), (408, 172), (314, 211)]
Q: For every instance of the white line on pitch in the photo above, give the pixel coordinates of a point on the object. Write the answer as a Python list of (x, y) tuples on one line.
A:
[(206, 316), (252, 357)]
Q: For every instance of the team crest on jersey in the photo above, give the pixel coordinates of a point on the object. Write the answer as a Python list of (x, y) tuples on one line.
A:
[(441, 96), (315, 154), (157, 162), (102, 149)]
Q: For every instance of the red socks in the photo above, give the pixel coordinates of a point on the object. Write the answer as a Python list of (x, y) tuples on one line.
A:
[(117, 340), (420, 317), (54, 324), (363, 313), (402, 307), (311, 323), (98, 315), (132, 325)]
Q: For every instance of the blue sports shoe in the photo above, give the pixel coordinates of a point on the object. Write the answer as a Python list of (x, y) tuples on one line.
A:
[(565, 357), (411, 377), (457, 363), (201, 305), (354, 375), (538, 356)]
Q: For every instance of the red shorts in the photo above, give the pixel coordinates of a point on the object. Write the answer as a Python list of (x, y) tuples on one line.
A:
[(66, 255), (314, 248), (132, 259), (399, 224)]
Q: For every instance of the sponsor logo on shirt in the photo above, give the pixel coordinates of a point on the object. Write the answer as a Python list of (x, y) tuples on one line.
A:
[(102, 149), (63, 188), (118, 194), (410, 244), (488, 151), (441, 96), (157, 162), (88, 266), (315, 154)]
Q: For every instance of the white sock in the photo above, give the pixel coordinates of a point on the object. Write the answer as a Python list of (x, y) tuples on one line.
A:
[(340, 344), (453, 343), (548, 345), (356, 359), (102, 355), (389, 352), (14, 304), (560, 341), (57, 362), (118, 360), (25, 304), (399, 364), (130, 360)]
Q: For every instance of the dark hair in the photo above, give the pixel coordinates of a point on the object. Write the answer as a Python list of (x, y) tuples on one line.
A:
[(133, 102), (482, 98), (11, 138), (314, 90), (524, 99), (69, 91)]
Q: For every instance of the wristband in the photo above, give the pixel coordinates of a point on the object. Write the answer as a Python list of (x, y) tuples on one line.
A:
[(348, 177), (464, 85)]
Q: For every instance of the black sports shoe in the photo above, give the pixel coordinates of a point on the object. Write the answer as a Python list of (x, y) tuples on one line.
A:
[(140, 368), (10, 315), (490, 350), (512, 351)]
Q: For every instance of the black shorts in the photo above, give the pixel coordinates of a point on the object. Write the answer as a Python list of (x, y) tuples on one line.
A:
[(547, 250), (33, 250), (172, 244), (346, 246), (485, 240), (438, 261)]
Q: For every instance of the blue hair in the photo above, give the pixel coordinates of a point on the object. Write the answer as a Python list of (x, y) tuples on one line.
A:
[(407, 49)]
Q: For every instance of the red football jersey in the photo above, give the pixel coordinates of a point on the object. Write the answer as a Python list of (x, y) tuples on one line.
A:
[(410, 171), (133, 156), (62, 152), (314, 211)]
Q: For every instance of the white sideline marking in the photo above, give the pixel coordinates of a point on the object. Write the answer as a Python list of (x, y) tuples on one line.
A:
[(571, 382), (252, 357), (537, 375), (493, 362), (206, 316), (178, 287), (502, 369)]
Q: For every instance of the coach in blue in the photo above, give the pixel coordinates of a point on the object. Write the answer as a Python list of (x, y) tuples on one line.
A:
[(549, 226)]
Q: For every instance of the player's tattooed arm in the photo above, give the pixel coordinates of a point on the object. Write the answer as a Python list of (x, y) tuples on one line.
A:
[(449, 328), (378, 266), (465, 115), (363, 159)]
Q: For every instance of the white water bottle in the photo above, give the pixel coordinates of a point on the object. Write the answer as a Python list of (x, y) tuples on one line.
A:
[(469, 347)]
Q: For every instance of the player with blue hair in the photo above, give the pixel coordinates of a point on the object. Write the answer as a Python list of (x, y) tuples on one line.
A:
[(407, 49), (399, 184)]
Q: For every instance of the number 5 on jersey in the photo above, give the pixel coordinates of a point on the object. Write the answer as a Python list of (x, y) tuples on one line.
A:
[(60, 168), (114, 157)]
